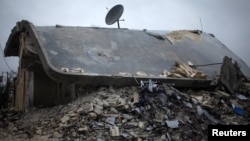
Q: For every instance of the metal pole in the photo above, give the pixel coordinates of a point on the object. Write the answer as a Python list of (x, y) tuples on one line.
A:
[(201, 24), (118, 24)]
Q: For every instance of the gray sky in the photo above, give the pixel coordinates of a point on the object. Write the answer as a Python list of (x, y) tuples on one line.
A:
[(228, 20)]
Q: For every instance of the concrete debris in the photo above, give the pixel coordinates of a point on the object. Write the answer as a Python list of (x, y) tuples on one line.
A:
[(64, 69), (114, 131), (151, 111), (65, 118), (190, 63), (92, 115), (74, 70), (165, 73), (140, 73), (231, 76), (88, 107), (179, 35), (98, 109), (57, 135), (141, 124), (77, 70), (84, 129), (125, 74)]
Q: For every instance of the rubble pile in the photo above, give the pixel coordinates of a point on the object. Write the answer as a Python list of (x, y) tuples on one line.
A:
[(152, 111)]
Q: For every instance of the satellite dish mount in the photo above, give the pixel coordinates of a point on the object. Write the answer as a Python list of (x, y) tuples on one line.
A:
[(114, 15)]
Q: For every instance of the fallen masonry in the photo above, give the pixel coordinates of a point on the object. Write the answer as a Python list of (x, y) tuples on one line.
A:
[(150, 111)]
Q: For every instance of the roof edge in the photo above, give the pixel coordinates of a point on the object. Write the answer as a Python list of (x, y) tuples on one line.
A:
[(13, 44)]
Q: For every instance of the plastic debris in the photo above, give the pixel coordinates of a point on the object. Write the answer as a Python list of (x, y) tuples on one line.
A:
[(150, 85), (125, 135), (149, 128), (110, 120), (187, 104), (199, 110), (172, 123), (238, 110), (242, 97), (168, 137), (210, 117)]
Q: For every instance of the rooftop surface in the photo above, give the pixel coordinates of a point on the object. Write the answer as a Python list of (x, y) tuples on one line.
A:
[(66, 51)]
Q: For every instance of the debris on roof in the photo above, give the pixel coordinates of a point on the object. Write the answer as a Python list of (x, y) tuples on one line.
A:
[(184, 70), (182, 34), (231, 76)]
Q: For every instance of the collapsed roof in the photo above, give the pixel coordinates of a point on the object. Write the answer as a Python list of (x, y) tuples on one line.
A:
[(92, 55)]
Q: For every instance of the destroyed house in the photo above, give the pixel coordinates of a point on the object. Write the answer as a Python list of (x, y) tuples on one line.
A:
[(54, 59)]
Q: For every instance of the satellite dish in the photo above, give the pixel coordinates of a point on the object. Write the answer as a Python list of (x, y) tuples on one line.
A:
[(114, 15)]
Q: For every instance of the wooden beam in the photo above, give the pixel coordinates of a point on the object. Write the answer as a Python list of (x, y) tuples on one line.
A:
[(29, 89), (19, 103)]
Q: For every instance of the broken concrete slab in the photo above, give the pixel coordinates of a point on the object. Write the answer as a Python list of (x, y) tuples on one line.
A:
[(230, 75)]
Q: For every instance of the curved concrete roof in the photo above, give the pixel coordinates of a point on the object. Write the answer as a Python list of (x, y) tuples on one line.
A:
[(107, 52)]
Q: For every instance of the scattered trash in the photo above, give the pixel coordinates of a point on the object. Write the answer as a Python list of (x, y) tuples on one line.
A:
[(173, 123), (238, 110), (65, 69), (199, 110), (187, 104), (150, 111), (125, 74), (110, 120), (150, 85), (210, 117), (190, 63), (149, 128), (140, 73), (168, 137), (165, 73), (125, 135), (114, 131), (242, 97), (77, 70)]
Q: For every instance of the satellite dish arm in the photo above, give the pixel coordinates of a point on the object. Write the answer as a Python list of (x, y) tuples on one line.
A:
[(118, 24)]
